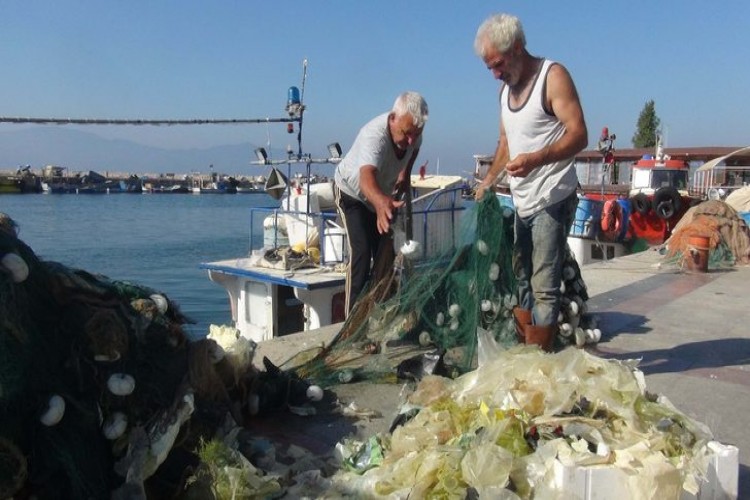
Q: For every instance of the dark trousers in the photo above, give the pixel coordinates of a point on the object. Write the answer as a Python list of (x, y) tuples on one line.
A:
[(362, 235)]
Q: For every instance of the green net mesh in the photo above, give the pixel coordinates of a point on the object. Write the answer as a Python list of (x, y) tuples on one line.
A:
[(432, 310), (63, 333)]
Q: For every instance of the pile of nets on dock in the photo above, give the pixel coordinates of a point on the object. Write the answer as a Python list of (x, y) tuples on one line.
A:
[(103, 396), (727, 233)]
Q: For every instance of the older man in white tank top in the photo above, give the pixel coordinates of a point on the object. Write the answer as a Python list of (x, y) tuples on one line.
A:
[(542, 128)]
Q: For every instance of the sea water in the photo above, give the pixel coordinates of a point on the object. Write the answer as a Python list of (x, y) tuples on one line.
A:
[(153, 240)]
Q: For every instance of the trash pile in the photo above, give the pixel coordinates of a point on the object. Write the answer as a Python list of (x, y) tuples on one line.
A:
[(101, 393), (520, 425), (727, 233)]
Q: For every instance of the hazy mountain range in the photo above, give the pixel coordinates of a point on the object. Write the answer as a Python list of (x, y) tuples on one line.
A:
[(83, 151)]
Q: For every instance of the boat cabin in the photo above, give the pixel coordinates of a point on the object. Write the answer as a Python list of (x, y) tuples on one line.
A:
[(717, 178), (649, 175)]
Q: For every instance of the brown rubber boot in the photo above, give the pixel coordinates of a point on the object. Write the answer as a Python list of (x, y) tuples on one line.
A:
[(522, 320), (543, 336)]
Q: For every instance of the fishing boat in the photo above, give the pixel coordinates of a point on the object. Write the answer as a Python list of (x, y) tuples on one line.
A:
[(651, 205), (22, 181), (293, 280), (213, 184)]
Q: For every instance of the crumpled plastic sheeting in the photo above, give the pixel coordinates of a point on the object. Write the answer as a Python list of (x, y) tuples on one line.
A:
[(509, 425)]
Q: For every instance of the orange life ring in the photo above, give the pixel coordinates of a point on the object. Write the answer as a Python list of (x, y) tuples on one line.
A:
[(611, 221)]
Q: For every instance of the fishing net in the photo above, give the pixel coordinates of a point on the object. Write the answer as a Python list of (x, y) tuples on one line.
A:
[(727, 233), (424, 316)]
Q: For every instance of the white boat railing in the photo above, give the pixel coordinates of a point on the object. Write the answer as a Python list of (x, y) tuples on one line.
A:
[(435, 222)]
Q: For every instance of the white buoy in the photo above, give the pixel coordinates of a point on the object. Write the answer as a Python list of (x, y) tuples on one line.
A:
[(440, 319), (121, 384), (482, 247), (573, 308), (597, 334), (580, 337), (590, 336), (55, 411), (410, 248), (486, 305), (494, 272), (161, 302), (314, 393), (115, 425), (16, 266), (566, 330), (454, 310), (424, 338)]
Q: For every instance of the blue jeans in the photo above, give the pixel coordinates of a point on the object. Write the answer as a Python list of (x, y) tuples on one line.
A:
[(538, 257)]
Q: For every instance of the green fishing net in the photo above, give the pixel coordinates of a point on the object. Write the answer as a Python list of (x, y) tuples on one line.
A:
[(63, 333), (425, 315)]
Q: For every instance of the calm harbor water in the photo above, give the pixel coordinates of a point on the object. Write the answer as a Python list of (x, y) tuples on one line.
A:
[(154, 240)]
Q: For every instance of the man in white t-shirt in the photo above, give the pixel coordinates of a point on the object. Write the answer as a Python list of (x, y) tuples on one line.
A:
[(369, 180)]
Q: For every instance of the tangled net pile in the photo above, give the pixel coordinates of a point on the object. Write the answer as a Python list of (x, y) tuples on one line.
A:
[(727, 232), (99, 385), (424, 316)]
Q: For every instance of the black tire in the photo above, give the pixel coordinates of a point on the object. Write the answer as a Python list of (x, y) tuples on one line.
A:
[(665, 210), (667, 202), (641, 203)]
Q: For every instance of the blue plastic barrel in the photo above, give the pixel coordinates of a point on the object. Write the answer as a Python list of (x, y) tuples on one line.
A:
[(588, 218)]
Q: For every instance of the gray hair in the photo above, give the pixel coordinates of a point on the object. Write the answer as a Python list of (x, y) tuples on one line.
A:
[(501, 31), (412, 103)]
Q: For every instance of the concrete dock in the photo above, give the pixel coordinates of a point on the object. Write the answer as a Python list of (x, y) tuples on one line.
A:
[(691, 332)]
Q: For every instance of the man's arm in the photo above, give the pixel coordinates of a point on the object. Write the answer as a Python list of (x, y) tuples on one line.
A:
[(404, 177), (384, 204), (562, 99), (498, 165)]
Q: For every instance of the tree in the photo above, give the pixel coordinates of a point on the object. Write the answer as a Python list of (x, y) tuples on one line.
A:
[(647, 128)]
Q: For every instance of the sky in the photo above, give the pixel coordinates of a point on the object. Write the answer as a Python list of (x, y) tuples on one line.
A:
[(223, 59)]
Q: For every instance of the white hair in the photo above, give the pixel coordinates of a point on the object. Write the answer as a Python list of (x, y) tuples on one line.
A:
[(501, 31), (412, 103)]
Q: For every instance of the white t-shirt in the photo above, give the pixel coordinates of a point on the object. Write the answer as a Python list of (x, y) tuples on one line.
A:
[(373, 146)]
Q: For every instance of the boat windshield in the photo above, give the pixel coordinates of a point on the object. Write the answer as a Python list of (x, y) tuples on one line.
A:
[(669, 178)]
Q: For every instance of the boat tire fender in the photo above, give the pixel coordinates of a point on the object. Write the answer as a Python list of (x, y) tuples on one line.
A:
[(641, 203), (667, 202)]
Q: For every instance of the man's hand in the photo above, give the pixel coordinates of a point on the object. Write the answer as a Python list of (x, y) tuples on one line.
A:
[(479, 191), (522, 165), (385, 208)]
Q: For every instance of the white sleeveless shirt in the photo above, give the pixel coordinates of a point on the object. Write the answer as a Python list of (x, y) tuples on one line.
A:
[(530, 128)]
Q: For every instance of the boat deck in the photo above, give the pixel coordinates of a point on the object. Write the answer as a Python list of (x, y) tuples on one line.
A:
[(690, 332), (312, 278)]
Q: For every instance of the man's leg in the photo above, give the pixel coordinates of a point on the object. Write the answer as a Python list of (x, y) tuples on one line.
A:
[(549, 233), (361, 232)]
